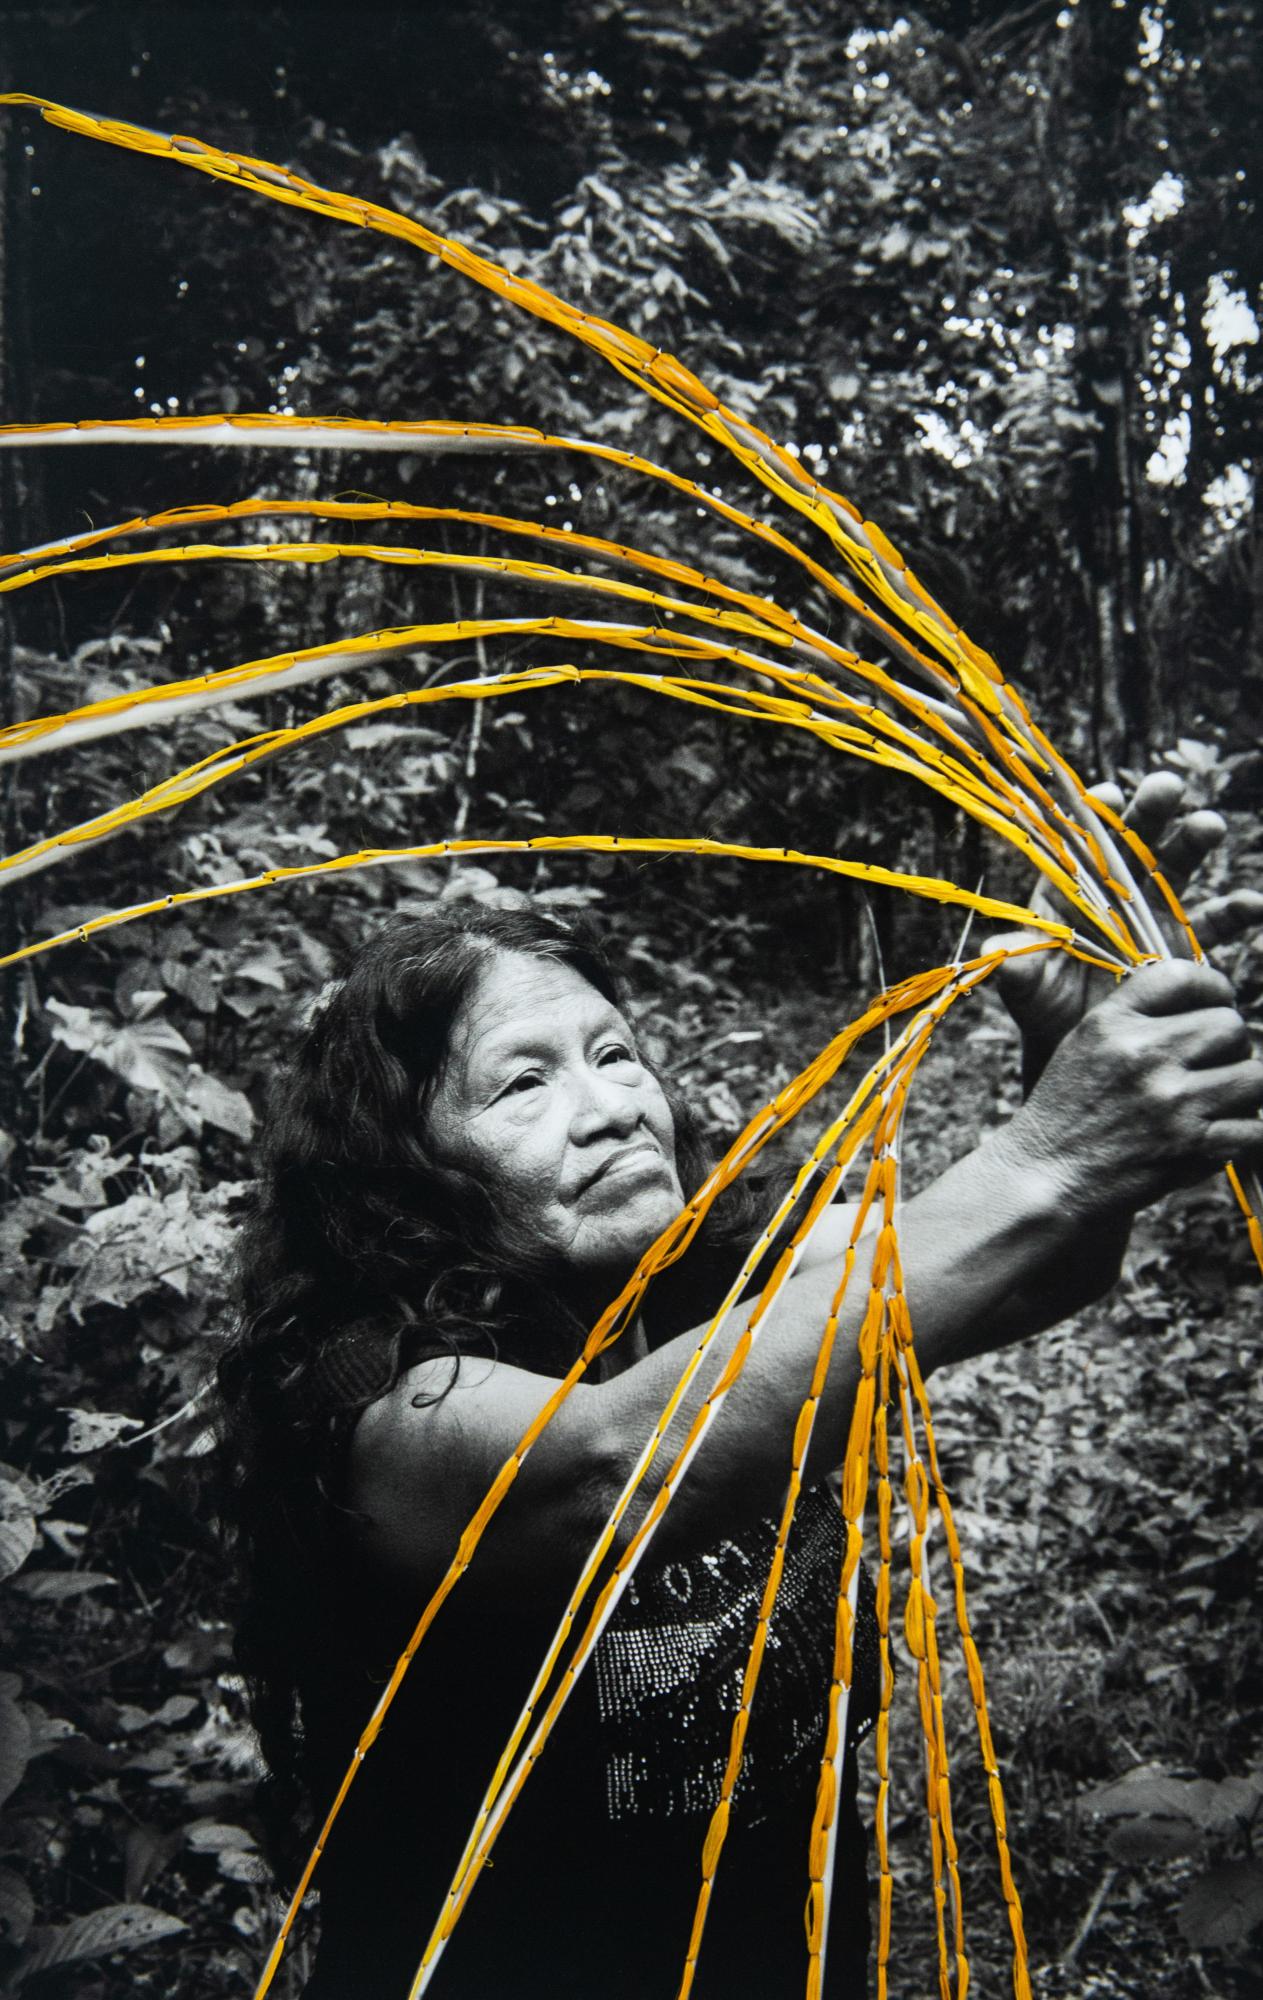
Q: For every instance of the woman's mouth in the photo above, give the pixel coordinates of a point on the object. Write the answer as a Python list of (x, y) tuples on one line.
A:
[(629, 1162)]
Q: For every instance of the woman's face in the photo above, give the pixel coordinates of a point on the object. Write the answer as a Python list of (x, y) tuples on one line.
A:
[(543, 1096)]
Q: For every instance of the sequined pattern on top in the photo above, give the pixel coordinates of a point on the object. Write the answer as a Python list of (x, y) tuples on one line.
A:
[(668, 1672)]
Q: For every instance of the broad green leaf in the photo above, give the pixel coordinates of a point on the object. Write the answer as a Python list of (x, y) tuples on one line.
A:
[(1151, 1797), (47, 1730), (1223, 1805), (199, 1650), (1224, 1907), (216, 1103), (15, 1745), (1199, 757), (264, 967), (17, 1529), (177, 1239), (17, 1908), (146, 1852), (52, 1585), (213, 1836), (241, 1864), (1146, 1792), (574, 896), (118, 1927), (140, 1052), (1149, 1837), (176, 1708)]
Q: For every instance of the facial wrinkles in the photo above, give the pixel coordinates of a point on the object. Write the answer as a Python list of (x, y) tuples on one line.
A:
[(544, 1095)]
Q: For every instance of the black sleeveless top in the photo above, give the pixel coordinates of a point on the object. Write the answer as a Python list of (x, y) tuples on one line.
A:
[(593, 1882)]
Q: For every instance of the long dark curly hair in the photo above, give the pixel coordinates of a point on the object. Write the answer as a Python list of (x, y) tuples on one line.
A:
[(362, 1254)]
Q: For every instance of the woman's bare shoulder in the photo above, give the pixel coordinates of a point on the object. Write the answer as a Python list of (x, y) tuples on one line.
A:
[(424, 1456)]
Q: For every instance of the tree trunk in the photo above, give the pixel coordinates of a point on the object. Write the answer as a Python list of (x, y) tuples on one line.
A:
[(1110, 526)]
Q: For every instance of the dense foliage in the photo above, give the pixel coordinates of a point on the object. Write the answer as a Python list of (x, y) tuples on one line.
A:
[(997, 269)]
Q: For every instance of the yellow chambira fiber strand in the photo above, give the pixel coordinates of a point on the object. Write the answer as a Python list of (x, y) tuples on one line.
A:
[(942, 771), (945, 718), (933, 888)]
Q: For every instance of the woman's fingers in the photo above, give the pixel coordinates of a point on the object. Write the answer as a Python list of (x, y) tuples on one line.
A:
[(1225, 918), (1154, 1089), (1181, 840), (1235, 1092), (1187, 1062), (1188, 841), (1207, 1038), (1219, 1035), (1045, 994), (1198, 1114), (1110, 795), (1173, 986), (1237, 1140), (1020, 966), (1154, 804)]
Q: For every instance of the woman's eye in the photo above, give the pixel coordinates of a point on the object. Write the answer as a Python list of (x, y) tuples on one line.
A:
[(617, 1052), (527, 1081)]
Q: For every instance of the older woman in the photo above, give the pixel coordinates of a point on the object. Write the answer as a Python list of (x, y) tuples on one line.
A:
[(465, 1161)]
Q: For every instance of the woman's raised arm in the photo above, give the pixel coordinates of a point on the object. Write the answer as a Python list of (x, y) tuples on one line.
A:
[(1153, 1089)]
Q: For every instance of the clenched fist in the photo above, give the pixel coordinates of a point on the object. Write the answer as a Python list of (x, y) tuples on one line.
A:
[(1154, 1088)]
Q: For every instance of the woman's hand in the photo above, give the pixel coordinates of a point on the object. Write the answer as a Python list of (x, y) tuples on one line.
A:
[(1049, 993), (1155, 1087)]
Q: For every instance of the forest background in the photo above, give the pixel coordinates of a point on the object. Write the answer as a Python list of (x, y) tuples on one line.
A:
[(996, 270)]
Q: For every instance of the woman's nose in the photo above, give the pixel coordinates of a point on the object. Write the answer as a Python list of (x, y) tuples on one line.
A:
[(603, 1105)]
